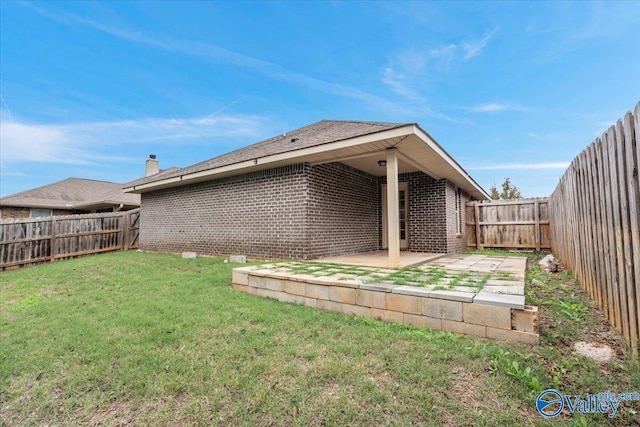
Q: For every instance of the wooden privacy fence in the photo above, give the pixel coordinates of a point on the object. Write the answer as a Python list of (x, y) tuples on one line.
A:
[(517, 224), (595, 217), (34, 240)]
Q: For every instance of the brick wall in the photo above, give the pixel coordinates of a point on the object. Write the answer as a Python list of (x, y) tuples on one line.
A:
[(261, 214), (14, 213), (427, 212), (295, 212), (342, 210), (7, 212), (456, 242)]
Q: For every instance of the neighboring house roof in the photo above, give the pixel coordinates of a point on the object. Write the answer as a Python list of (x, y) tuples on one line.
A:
[(73, 194), (356, 143)]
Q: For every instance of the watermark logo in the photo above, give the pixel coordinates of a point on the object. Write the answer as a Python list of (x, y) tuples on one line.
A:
[(550, 403)]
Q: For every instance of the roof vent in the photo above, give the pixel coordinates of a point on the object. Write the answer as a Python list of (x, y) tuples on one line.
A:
[(295, 139)]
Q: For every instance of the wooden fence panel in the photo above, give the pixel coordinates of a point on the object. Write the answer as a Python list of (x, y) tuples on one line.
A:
[(34, 240), (517, 224), (595, 224)]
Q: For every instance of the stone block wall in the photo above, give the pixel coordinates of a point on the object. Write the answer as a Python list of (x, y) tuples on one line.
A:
[(442, 310)]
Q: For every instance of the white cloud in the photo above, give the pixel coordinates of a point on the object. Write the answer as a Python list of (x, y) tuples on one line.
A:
[(493, 107), (443, 51), (472, 49), (398, 83), (93, 142), (522, 166)]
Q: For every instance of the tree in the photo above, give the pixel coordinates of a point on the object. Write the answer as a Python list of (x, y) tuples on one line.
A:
[(509, 191)]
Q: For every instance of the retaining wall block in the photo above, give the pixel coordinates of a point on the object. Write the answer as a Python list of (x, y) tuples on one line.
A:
[(404, 303), (442, 309), (487, 315)]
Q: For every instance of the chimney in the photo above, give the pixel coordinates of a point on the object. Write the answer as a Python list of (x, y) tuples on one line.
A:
[(153, 166)]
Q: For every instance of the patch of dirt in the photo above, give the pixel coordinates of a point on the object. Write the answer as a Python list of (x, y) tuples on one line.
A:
[(465, 386), (117, 413), (601, 353)]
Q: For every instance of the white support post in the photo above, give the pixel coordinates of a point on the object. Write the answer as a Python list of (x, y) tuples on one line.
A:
[(393, 215)]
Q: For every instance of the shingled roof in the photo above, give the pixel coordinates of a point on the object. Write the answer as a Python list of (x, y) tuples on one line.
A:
[(358, 144), (72, 194), (322, 132)]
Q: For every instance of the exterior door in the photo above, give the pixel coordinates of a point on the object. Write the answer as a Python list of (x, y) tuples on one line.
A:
[(403, 214)]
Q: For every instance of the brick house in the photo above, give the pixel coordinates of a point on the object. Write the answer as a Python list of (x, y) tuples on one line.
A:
[(322, 190), (67, 197)]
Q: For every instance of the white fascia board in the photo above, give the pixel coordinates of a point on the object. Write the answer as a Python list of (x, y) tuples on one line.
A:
[(274, 158)]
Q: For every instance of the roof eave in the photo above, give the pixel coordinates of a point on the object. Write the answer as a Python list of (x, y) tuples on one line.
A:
[(424, 135), (260, 162)]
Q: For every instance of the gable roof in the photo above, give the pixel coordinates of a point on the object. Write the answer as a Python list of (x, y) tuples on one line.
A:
[(357, 143), (73, 193)]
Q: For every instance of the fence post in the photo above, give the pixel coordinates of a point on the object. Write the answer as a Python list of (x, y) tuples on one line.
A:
[(53, 238), (126, 229), (476, 212), (536, 213)]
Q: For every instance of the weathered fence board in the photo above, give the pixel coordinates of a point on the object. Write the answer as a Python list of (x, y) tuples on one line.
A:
[(595, 224), (517, 224), (34, 240)]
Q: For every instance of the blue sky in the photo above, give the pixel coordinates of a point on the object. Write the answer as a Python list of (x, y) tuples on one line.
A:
[(90, 89)]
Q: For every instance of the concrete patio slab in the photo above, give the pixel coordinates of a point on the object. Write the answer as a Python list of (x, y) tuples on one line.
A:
[(381, 259)]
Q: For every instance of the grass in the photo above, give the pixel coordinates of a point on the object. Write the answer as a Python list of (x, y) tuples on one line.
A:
[(153, 339)]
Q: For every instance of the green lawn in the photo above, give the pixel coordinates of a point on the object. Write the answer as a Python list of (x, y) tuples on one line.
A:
[(152, 339)]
